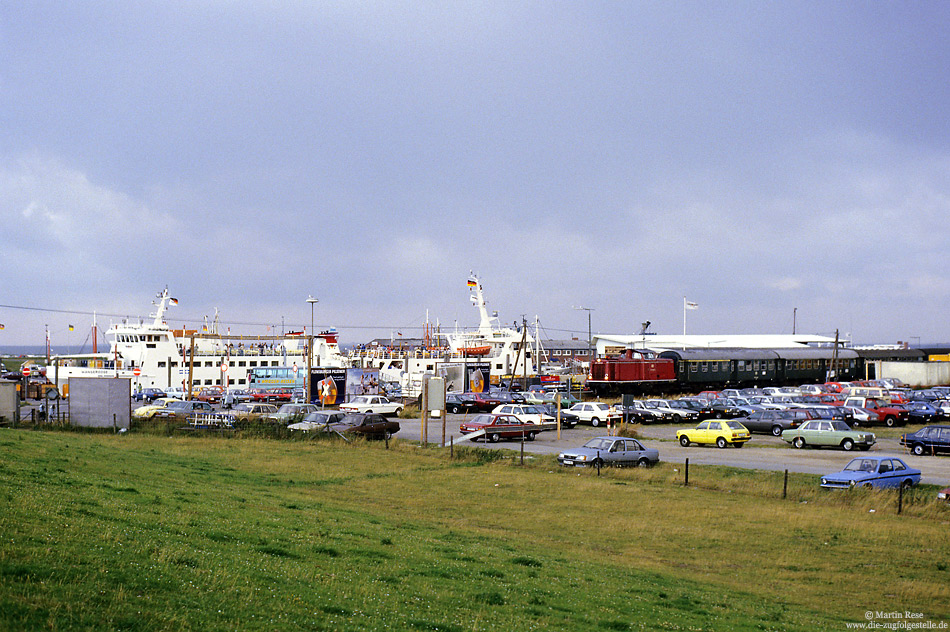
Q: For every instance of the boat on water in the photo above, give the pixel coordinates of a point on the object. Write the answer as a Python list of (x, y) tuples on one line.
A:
[(489, 354), (152, 354)]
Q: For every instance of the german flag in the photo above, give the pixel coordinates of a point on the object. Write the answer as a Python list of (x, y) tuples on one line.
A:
[(472, 283)]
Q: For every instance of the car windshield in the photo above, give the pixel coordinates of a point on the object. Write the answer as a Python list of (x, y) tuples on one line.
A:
[(318, 418), (599, 444), (481, 419), (861, 465), (360, 400)]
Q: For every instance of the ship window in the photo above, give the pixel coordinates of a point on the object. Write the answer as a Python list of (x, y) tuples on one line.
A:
[(161, 364), (253, 363), (150, 345), (208, 382), (242, 381), (174, 364), (273, 363), (242, 363), (208, 363)]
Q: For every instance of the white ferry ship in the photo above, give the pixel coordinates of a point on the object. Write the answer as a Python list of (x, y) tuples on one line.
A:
[(152, 354), (508, 352)]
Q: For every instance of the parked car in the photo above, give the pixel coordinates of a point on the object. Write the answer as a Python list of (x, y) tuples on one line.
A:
[(944, 494), (371, 404), (459, 402), (253, 410), (700, 405), (638, 413), (148, 395), (182, 410), (666, 414), (525, 412), (920, 412), (148, 411), (568, 419), (293, 412), (774, 421), (595, 413), (618, 451), (722, 433), (688, 412), (211, 394), (927, 440), (881, 411), (499, 427), (873, 472), (319, 420), (485, 402), (726, 408), (368, 425), (828, 433)]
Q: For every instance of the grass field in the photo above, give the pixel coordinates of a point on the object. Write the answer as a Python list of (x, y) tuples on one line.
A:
[(135, 532)]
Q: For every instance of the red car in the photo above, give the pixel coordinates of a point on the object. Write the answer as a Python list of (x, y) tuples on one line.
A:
[(500, 427), (483, 402), (273, 395)]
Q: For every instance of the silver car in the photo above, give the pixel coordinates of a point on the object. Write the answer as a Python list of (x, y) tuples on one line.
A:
[(601, 451)]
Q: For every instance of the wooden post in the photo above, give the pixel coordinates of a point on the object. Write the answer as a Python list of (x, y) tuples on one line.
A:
[(686, 479), (557, 403), (452, 447), (598, 462), (785, 486)]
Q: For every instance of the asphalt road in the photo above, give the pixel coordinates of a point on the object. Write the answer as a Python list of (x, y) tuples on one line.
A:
[(763, 452)]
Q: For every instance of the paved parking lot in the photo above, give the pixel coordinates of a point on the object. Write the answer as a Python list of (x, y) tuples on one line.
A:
[(764, 452)]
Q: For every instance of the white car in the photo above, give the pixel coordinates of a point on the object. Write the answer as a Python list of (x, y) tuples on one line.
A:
[(526, 413), (677, 413), (595, 413), (371, 404)]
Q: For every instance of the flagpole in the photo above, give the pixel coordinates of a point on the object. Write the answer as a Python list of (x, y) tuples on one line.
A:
[(684, 315)]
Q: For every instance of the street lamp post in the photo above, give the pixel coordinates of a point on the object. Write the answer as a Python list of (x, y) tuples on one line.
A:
[(312, 301)]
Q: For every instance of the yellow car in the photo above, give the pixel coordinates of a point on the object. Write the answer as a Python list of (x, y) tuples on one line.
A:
[(721, 432), (148, 411)]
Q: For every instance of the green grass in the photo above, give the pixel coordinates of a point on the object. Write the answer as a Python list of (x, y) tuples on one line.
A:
[(142, 532)]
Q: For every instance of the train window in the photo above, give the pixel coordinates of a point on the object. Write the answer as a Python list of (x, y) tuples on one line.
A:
[(693, 367), (742, 365), (705, 366)]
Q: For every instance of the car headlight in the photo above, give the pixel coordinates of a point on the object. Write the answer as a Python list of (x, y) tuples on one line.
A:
[(942, 495), (824, 481)]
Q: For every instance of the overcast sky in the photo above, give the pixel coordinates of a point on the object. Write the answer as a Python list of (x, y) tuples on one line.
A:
[(754, 157)]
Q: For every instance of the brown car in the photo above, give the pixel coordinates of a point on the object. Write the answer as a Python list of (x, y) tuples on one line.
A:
[(369, 425)]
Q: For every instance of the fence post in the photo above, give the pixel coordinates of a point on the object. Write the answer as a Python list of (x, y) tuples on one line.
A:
[(785, 486), (598, 462), (451, 447), (686, 479)]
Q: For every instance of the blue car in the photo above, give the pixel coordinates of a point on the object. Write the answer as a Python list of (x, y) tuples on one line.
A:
[(873, 471)]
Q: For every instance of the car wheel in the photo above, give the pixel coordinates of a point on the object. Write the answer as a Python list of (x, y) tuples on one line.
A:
[(368, 412), (453, 409), (868, 486), (388, 435), (906, 484), (493, 437), (889, 421), (594, 421), (799, 443), (777, 431), (644, 462), (597, 463), (918, 449), (847, 445), (721, 442), (718, 415), (684, 441), (530, 436)]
